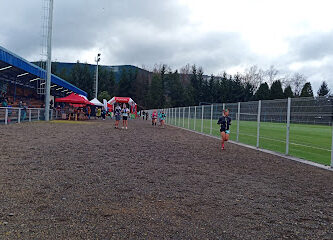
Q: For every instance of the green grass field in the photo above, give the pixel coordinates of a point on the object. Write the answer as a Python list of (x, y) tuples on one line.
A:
[(310, 142)]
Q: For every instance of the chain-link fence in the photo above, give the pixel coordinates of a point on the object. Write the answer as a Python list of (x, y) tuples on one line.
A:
[(10, 115), (300, 127)]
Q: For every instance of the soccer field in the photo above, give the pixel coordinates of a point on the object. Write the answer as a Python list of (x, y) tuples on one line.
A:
[(310, 142)]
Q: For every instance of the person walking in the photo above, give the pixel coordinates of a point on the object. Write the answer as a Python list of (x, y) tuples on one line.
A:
[(225, 122), (99, 112), (117, 113), (154, 118), (89, 112), (162, 117), (103, 114), (125, 111)]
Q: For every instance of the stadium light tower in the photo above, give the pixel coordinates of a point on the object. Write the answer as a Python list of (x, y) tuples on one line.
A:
[(98, 58), (48, 73)]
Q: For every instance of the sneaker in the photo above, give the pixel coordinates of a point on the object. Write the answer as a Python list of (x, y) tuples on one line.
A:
[(126, 127), (122, 127)]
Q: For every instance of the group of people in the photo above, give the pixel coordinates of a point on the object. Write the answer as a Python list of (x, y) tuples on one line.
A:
[(160, 116), (121, 113), (22, 105)]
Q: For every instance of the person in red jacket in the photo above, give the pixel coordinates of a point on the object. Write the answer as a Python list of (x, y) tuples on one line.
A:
[(154, 118)]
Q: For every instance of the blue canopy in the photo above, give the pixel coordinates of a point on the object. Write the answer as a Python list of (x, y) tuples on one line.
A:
[(8, 58)]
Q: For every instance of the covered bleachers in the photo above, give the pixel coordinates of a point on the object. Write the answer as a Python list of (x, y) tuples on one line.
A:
[(24, 82)]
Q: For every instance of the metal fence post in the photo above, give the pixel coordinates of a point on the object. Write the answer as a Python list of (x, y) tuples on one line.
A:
[(56, 115), (51, 112), (6, 116), (179, 118), (258, 123), (38, 112), (223, 106), (211, 119), (202, 116), (167, 116), (195, 116), (29, 115), (19, 116), (238, 117), (189, 116), (288, 126), (183, 117)]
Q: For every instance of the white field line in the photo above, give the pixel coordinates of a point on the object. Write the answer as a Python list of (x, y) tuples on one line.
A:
[(264, 150), (281, 141)]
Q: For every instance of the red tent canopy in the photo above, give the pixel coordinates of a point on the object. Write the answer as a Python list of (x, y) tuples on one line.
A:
[(74, 98)]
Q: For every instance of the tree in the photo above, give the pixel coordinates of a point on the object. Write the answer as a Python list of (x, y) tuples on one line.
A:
[(124, 85), (323, 90), (81, 77), (195, 85), (297, 81), (263, 92), (248, 92), (176, 90), (307, 90), (276, 90), (271, 74), (212, 89), (288, 92), (201, 91), (254, 76), (106, 80), (104, 95), (156, 91)]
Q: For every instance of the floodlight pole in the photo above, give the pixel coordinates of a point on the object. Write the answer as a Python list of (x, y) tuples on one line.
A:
[(48, 72)]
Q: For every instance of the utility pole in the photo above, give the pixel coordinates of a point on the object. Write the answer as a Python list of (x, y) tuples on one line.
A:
[(48, 72), (96, 83)]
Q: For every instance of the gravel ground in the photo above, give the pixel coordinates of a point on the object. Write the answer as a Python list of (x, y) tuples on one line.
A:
[(88, 180)]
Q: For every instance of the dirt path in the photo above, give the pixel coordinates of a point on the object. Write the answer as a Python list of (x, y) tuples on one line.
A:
[(90, 181)]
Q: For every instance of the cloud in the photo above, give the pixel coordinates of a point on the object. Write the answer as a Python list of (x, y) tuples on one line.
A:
[(312, 46), (217, 35)]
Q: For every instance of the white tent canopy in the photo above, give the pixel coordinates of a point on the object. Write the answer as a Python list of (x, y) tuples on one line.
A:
[(96, 102)]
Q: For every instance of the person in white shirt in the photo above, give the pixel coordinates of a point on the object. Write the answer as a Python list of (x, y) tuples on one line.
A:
[(125, 111)]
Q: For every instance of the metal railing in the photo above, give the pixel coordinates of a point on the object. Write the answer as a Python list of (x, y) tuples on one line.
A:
[(300, 127), (10, 115)]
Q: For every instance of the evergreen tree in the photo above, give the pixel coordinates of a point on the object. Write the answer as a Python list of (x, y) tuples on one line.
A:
[(212, 90), (276, 90), (248, 91), (176, 90), (263, 92), (288, 92), (106, 81), (237, 90), (63, 74), (81, 77), (200, 85), (323, 90), (307, 90), (156, 91), (124, 85), (194, 91)]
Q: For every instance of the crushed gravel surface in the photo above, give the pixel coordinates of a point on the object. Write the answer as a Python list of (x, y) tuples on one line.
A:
[(87, 180)]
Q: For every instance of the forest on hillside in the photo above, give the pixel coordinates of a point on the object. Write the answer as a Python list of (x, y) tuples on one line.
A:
[(163, 87)]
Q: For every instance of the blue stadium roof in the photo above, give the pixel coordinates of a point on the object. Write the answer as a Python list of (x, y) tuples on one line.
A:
[(15, 68)]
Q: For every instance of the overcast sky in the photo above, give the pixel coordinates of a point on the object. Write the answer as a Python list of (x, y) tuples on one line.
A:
[(292, 35)]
